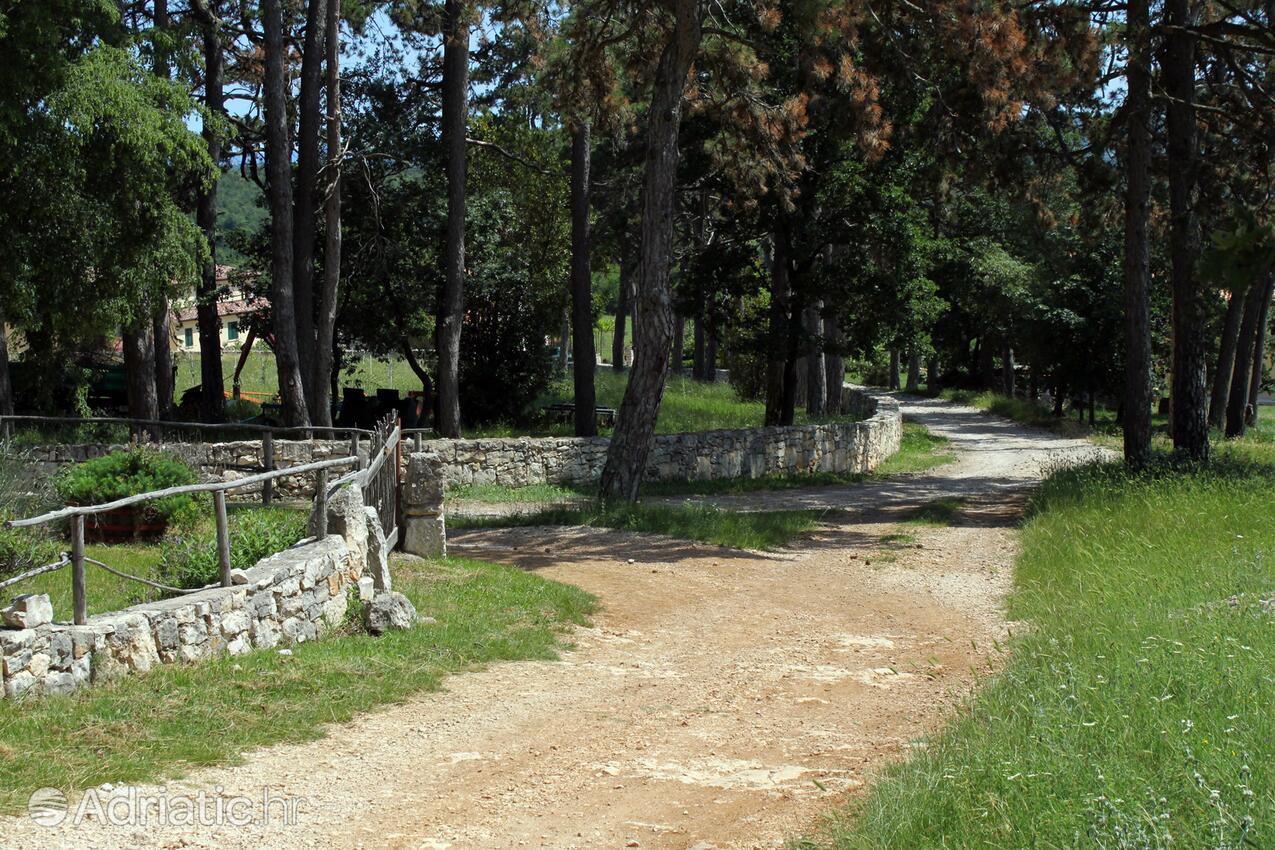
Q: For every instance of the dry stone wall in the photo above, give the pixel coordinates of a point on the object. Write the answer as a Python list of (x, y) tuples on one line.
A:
[(287, 598), (840, 447)]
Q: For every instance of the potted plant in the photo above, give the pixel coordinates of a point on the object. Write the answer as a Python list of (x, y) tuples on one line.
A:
[(128, 473)]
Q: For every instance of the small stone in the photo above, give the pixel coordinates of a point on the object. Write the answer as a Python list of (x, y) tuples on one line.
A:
[(28, 611), (285, 652), (238, 576), (388, 611), (367, 589)]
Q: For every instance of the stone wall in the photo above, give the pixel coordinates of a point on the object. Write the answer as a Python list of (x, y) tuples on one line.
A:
[(841, 447), (287, 598)]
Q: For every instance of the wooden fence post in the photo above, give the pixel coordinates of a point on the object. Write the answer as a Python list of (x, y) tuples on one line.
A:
[(267, 460), (321, 503), (420, 439), (79, 593), (223, 536), (354, 449)]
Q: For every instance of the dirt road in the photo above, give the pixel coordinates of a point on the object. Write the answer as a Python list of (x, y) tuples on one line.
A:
[(721, 699)]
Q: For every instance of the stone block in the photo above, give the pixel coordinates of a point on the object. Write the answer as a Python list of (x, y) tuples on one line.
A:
[(377, 565), (28, 612), (425, 536), (388, 611)]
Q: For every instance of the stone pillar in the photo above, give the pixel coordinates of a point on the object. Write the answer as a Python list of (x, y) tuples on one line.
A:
[(424, 530)]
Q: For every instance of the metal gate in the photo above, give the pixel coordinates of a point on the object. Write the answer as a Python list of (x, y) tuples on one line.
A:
[(381, 479)]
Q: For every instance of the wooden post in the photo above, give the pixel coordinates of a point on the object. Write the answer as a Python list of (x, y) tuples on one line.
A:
[(354, 449), (321, 503), (79, 593), (267, 461), (223, 536), (420, 439)]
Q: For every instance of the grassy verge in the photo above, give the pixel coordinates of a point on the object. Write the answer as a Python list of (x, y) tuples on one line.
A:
[(1105, 430), (500, 494), (1136, 711), (735, 529), (687, 406), (182, 716), (939, 513)]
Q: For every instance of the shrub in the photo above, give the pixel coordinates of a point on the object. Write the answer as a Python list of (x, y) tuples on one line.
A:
[(255, 533), (127, 473)]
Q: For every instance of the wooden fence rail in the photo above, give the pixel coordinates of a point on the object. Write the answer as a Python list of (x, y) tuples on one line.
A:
[(76, 514)]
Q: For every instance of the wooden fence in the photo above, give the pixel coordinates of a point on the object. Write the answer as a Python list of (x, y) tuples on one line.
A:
[(77, 513)]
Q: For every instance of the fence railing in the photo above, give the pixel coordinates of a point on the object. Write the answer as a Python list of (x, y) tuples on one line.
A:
[(157, 429), (76, 514)]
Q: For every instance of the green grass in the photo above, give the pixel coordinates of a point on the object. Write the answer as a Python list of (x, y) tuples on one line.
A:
[(1135, 710), (178, 717), (500, 494), (758, 530), (106, 591), (938, 513), (920, 450)]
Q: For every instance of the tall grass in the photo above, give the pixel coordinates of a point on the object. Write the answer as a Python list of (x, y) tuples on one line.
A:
[(1136, 710)]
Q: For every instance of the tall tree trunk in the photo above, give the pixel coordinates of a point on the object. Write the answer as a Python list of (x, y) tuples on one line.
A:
[(1237, 400), (1222, 373), (1007, 371), (582, 283), (451, 306), (816, 365), (777, 330), (162, 330), (914, 372), (304, 218), (6, 384), (710, 356), (1189, 393), (162, 334), (932, 374), (1137, 257), (212, 381), (564, 340), (139, 370), (1259, 351), (895, 368), (621, 316), (986, 363), (678, 353), (279, 192), (698, 352), (635, 431), (834, 363), (325, 320)]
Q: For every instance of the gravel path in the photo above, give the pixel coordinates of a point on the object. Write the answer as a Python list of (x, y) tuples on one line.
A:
[(721, 699)]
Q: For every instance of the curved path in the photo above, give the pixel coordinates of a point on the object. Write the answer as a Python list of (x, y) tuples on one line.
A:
[(722, 699)]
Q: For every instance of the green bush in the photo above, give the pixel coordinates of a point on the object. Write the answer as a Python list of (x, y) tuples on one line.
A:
[(128, 473), (191, 559)]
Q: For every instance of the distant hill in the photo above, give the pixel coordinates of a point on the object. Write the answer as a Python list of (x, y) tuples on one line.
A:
[(240, 213)]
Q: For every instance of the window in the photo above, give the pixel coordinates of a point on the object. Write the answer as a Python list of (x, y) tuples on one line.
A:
[(190, 337), (232, 330)]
